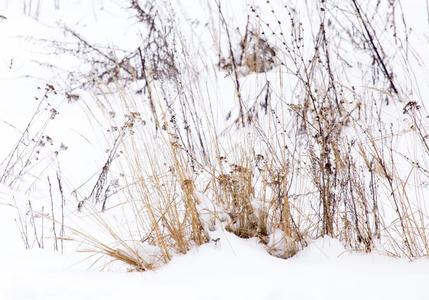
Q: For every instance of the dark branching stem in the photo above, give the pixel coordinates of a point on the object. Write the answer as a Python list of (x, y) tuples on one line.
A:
[(375, 49), (234, 63), (97, 50), (53, 216), (149, 89)]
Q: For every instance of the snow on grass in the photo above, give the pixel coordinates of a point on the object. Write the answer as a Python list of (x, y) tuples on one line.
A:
[(232, 269), (225, 268)]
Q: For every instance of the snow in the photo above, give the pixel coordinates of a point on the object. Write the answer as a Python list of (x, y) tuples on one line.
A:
[(230, 268)]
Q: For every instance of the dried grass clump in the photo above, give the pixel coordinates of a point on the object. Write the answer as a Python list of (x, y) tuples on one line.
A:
[(236, 191), (254, 55), (299, 162)]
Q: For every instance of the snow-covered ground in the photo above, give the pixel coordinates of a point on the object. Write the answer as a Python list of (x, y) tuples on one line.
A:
[(231, 268)]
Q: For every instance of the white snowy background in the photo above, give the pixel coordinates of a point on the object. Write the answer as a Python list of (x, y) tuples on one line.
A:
[(229, 269)]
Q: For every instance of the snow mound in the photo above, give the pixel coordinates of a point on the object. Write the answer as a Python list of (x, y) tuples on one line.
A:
[(228, 268)]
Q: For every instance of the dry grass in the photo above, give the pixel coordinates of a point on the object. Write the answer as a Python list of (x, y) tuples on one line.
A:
[(285, 167)]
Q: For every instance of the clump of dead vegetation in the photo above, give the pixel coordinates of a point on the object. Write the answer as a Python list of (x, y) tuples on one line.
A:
[(295, 162), (254, 54)]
